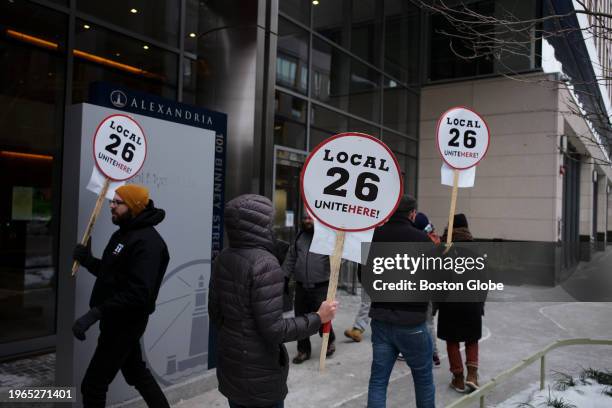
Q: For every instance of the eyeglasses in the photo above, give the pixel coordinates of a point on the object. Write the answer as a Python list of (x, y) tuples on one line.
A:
[(116, 202)]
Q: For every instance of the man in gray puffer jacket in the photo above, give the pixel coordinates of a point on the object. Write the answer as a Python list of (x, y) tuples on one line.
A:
[(246, 305), (311, 272)]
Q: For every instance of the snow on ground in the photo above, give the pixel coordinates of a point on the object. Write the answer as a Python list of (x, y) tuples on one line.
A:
[(580, 396)]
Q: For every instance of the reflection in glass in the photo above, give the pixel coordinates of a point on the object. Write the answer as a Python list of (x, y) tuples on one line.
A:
[(296, 9), (402, 40), (355, 125), (32, 68), (345, 83), (325, 123), (400, 144), (366, 30), (156, 19), (101, 54), (292, 57), (400, 107), (289, 121), (330, 18)]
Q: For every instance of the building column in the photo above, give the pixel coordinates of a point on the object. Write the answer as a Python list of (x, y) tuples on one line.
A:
[(602, 213), (586, 209)]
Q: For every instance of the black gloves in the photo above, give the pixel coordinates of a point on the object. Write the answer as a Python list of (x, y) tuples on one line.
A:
[(84, 322), (83, 254)]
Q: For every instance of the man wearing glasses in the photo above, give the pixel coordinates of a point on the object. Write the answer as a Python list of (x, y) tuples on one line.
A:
[(128, 278)]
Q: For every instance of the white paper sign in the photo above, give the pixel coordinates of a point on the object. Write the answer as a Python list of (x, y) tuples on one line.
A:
[(96, 183), (120, 147), (466, 177), (351, 182), (462, 138), (324, 240)]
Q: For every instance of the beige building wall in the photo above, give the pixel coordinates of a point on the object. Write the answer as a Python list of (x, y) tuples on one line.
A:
[(518, 190), (602, 204)]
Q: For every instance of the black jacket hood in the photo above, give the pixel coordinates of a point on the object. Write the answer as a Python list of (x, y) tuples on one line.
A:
[(149, 217)]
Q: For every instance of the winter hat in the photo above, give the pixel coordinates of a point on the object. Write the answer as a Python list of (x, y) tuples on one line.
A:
[(136, 197), (421, 221), (459, 221), (407, 204)]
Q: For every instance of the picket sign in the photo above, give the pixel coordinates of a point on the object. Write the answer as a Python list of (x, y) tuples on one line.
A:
[(350, 182), (462, 138), (119, 149)]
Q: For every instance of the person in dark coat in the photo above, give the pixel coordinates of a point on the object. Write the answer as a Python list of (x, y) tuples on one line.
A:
[(246, 305), (311, 272), (461, 322), (399, 327), (128, 278)]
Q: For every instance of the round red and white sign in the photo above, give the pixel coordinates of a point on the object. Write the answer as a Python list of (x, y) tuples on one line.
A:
[(463, 138), (351, 182), (120, 147)]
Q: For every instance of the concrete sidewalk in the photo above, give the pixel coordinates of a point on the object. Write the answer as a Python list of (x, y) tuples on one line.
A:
[(512, 331)]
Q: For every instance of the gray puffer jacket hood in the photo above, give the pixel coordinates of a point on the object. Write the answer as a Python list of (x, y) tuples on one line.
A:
[(248, 222)]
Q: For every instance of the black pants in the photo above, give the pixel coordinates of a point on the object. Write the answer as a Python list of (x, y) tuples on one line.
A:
[(308, 300), (119, 349)]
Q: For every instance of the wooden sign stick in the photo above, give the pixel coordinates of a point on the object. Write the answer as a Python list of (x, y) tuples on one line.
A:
[(451, 215), (334, 265), (92, 220)]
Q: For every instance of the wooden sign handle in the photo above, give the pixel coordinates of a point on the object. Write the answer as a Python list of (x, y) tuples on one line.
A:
[(451, 214), (92, 220), (334, 265)]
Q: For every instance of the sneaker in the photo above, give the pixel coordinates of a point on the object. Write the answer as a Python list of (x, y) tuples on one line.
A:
[(457, 383), (331, 349), (354, 334), (301, 357), (436, 360), (471, 381)]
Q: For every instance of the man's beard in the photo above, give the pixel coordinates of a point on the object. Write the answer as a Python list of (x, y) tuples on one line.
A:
[(121, 219)]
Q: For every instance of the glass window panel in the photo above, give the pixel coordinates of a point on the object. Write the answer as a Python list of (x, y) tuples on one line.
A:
[(296, 9), (330, 19), (366, 30), (400, 107), (345, 83), (155, 19), (402, 40), (408, 170), (355, 125), (364, 99), (325, 123), (101, 54), (292, 56), (205, 19), (289, 121), (32, 83), (400, 144), (317, 136)]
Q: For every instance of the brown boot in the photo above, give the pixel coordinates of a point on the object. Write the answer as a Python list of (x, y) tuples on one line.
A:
[(457, 383), (472, 378), (354, 334)]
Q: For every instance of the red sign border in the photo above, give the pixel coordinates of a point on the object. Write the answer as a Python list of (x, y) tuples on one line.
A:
[(323, 143), (438, 138), (94, 146)]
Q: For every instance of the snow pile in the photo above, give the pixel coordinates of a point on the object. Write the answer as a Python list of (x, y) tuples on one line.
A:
[(591, 390)]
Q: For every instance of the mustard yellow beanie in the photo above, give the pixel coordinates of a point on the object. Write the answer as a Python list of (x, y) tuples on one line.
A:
[(136, 197)]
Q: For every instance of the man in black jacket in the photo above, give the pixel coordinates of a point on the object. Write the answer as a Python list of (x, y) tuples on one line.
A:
[(311, 272), (246, 305), (400, 327), (128, 278)]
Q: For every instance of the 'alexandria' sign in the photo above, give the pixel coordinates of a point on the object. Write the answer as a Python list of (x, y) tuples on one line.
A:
[(105, 94)]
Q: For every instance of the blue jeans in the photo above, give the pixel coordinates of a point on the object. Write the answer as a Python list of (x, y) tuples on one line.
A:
[(414, 342), (279, 404)]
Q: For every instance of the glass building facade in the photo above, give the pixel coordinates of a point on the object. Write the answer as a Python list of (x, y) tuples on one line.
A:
[(299, 72)]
